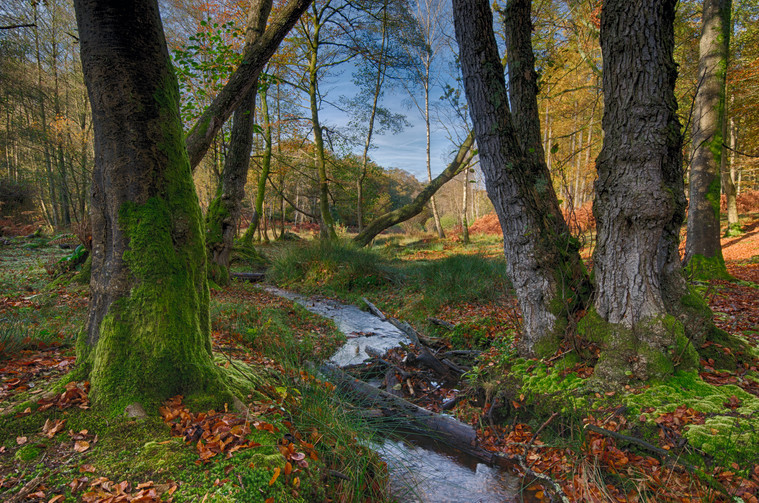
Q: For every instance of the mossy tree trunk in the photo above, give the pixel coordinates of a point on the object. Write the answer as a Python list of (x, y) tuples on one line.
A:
[(148, 328), (703, 250), (224, 210), (639, 204), (542, 259), (326, 222)]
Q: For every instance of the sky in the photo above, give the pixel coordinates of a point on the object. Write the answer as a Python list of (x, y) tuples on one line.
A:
[(405, 150)]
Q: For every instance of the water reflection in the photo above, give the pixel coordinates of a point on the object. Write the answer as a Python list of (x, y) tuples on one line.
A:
[(422, 475)]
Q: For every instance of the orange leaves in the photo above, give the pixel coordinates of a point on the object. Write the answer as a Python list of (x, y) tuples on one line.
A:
[(275, 476), (103, 490), (213, 433)]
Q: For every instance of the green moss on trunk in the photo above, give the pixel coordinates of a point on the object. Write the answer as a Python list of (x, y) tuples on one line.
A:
[(707, 268), (217, 214), (651, 350), (154, 342)]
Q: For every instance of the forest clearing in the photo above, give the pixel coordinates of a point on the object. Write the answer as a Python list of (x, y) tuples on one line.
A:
[(379, 251)]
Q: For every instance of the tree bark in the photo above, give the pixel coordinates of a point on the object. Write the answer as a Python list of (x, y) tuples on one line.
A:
[(639, 203), (224, 210), (148, 335), (462, 159), (253, 61), (542, 259), (703, 250)]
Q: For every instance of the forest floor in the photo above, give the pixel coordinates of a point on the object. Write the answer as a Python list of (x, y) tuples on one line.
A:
[(297, 443)]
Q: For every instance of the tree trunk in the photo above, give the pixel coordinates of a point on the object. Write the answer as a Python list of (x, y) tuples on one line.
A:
[(639, 203), (728, 182), (703, 251), (148, 335), (224, 210), (326, 223), (462, 159), (258, 203), (464, 207), (542, 259)]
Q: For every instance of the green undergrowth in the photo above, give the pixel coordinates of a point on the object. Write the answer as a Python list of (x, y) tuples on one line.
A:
[(416, 288), (532, 390), (330, 268), (279, 331)]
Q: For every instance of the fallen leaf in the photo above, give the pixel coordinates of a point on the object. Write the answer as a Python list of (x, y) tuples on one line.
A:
[(81, 445), (21, 440), (51, 428), (275, 476), (87, 469)]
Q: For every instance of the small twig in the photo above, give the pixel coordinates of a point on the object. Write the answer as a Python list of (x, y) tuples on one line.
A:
[(547, 481), (453, 366), (462, 352), (556, 357), (642, 443), (336, 474)]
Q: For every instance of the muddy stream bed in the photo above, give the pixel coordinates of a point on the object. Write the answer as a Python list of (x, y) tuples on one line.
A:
[(421, 470)]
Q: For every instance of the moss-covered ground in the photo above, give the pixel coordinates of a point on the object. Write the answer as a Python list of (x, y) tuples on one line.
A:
[(692, 435), (292, 441)]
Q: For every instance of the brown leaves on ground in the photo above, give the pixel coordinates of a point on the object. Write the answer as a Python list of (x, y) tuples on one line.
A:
[(581, 474), (74, 395), (52, 427), (103, 490), (31, 371), (212, 432)]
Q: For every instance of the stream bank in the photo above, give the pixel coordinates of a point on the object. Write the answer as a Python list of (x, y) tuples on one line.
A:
[(422, 469)]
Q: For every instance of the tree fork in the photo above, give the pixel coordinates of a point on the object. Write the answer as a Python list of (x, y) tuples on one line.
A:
[(542, 258)]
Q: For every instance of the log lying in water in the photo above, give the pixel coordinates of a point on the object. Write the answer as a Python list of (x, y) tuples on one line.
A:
[(415, 419)]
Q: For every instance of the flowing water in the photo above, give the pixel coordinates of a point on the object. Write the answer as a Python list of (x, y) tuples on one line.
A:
[(421, 471)]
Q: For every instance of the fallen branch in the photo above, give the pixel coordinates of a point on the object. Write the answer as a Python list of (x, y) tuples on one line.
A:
[(253, 277), (418, 420), (425, 355), (442, 323), (374, 309)]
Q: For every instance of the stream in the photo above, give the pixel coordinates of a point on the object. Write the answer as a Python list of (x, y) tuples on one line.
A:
[(421, 471)]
